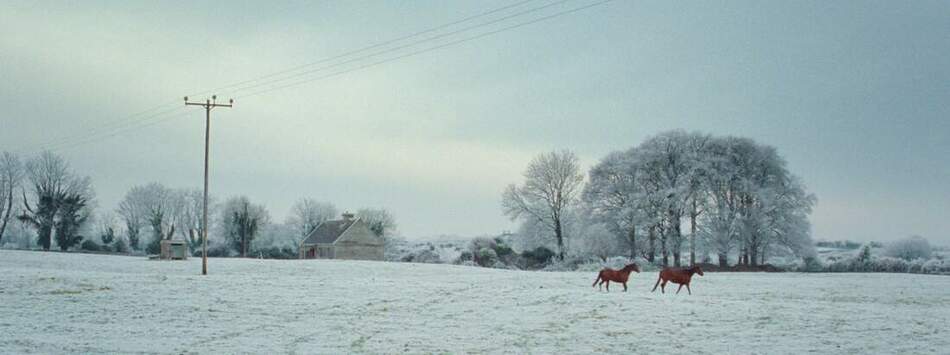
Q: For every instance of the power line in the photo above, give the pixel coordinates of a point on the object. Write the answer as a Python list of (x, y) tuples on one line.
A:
[(145, 122), (401, 47), (123, 120), (119, 122), (414, 53), (486, 34), (373, 46), (101, 132)]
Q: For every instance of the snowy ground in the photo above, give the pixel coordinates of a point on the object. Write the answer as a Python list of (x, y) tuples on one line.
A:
[(56, 303)]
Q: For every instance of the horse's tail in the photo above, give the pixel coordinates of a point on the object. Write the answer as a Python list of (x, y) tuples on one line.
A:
[(657, 283), (595, 280)]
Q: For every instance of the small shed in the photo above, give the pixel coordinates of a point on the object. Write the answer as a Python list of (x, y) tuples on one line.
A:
[(347, 238), (174, 250)]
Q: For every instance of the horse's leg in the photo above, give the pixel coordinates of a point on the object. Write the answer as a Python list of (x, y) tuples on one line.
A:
[(624, 287), (663, 286), (688, 290), (657, 284), (678, 289), (608, 284)]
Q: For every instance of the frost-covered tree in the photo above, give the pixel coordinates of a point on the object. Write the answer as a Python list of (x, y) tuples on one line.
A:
[(72, 214), (596, 239), (57, 200), (151, 206), (242, 220), (307, 213), (754, 202), (108, 227), (910, 248), (11, 174), (612, 196), (736, 196), (188, 211), (671, 166), (380, 221), (552, 182)]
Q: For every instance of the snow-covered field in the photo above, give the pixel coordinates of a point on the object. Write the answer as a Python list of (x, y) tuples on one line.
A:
[(56, 303)]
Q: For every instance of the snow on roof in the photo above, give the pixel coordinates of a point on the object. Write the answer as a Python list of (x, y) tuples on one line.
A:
[(328, 232)]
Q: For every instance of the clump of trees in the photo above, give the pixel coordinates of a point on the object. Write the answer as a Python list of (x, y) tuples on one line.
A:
[(57, 202), (154, 212), (908, 255), (44, 197), (676, 198), (910, 248)]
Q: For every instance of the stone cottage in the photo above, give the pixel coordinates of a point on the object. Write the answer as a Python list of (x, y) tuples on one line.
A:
[(347, 238)]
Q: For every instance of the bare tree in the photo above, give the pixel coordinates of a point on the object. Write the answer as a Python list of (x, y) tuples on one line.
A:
[(242, 220), (133, 215), (308, 213), (552, 181), (11, 174)]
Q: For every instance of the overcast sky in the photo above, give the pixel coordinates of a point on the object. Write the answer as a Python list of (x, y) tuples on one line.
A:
[(855, 95)]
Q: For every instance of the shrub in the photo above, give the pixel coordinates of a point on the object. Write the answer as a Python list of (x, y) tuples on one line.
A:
[(911, 248), (538, 257), (426, 255), (274, 253), (90, 245), (501, 248), (217, 250), (486, 257), (121, 246)]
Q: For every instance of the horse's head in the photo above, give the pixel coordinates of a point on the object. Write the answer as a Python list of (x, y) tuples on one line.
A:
[(632, 267), (697, 270)]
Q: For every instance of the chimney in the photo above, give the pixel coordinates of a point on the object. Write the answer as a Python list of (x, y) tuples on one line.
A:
[(348, 216)]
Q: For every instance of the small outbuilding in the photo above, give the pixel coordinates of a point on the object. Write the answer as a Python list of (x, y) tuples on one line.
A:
[(173, 250), (347, 238)]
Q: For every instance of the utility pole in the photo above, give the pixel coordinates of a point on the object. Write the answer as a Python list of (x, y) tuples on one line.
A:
[(208, 105)]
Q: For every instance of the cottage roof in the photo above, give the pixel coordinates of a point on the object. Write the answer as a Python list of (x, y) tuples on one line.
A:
[(329, 231)]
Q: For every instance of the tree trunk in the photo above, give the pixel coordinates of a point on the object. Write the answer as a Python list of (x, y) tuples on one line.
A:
[(692, 235), (723, 260), (45, 234), (677, 242), (664, 250), (6, 216), (633, 242), (560, 239), (652, 255)]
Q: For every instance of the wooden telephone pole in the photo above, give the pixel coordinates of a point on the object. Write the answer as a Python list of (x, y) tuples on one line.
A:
[(208, 105)]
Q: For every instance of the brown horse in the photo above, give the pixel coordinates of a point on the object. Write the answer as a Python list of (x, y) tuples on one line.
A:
[(677, 276), (607, 274)]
